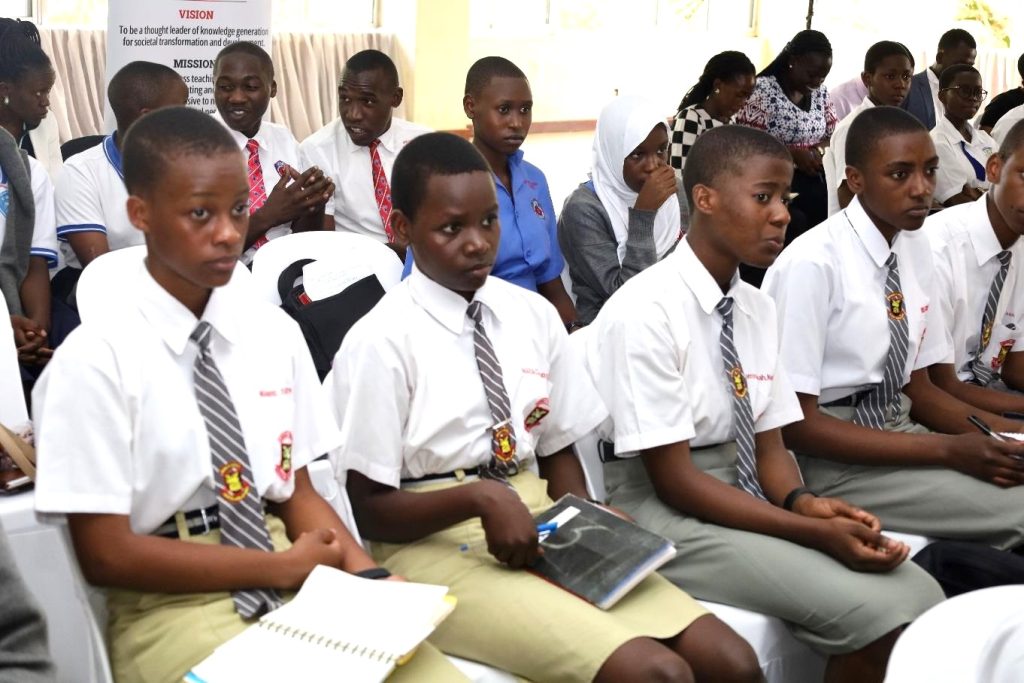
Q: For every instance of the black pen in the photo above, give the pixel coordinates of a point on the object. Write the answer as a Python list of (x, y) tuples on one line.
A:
[(976, 421)]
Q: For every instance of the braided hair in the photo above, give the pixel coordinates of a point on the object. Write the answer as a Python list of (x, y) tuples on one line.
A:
[(725, 66), (20, 49), (804, 42)]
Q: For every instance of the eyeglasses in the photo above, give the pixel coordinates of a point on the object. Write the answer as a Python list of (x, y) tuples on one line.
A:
[(969, 93)]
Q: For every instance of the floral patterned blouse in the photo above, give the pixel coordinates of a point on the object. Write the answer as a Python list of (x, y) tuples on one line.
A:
[(770, 110)]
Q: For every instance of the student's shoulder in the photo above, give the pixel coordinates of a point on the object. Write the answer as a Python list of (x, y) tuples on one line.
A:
[(325, 137), (407, 130), (949, 226), (388, 323), (508, 296), (533, 172), (278, 134), (89, 161)]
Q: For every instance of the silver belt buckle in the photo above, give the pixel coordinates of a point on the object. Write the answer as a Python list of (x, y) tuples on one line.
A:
[(206, 521)]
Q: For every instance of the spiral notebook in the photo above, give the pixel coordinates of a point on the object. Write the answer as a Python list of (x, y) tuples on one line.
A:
[(338, 627)]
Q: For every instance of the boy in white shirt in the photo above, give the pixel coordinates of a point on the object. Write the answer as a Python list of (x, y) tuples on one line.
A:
[(177, 441), (685, 356), (978, 252), (90, 196), (281, 198), (451, 393), (859, 329), (358, 148), (888, 68)]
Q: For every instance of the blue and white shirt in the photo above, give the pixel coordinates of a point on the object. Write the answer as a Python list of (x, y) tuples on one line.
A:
[(44, 240), (91, 197)]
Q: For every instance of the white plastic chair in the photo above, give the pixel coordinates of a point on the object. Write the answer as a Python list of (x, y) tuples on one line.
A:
[(102, 284), (962, 640), (351, 256)]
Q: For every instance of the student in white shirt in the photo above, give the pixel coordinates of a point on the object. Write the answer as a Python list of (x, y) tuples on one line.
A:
[(956, 46), (888, 68), (1006, 122), (859, 328), (90, 196), (962, 148), (28, 249), (127, 452), (451, 393), (368, 93), (282, 199), (981, 300), (685, 355)]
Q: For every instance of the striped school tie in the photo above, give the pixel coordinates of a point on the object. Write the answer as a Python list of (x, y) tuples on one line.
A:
[(882, 403), (742, 413), (381, 190), (241, 514), (257, 190), (503, 463), (984, 374)]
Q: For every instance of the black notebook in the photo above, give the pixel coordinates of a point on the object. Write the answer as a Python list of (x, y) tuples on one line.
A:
[(596, 554)]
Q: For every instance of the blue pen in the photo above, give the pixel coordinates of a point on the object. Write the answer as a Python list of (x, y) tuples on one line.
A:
[(545, 529)]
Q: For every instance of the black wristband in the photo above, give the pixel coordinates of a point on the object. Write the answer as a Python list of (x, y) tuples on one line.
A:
[(373, 573), (787, 504)]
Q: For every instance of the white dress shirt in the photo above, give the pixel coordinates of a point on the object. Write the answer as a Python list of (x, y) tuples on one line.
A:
[(829, 289), (654, 354), (354, 205), (276, 143), (955, 169), (834, 162), (91, 197), (407, 391), (933, 85), (118, 428), (44, 236), (847, 96), (966, 252), (1005, 123)]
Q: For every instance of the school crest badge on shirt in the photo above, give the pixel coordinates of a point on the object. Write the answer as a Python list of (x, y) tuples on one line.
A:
[(1004, 350), (5, 200), (739, 382), (537, 208), (539, 411), (284, 466), (895, 306), (233, 487)]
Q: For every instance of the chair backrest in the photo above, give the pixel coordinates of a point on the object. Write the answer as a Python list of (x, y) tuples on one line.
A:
[(12, 400), (341, 257), (77, 145), (102, 283)]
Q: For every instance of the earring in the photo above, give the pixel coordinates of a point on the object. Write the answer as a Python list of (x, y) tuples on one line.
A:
[(717, 91), (7, 101)]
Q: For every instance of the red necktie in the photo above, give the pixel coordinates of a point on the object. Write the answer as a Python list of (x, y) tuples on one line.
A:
[(257, 190), (381, 189)]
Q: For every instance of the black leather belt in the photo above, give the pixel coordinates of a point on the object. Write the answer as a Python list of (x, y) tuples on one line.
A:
[(198, 522), (454, 474)]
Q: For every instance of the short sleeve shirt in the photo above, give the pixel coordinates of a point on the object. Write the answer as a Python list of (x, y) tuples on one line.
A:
[(829, 291), (654, 354), (960, 162), (117, 425), (966, 251), (354, 205), (91, 197), (44, 238), (409, 396)]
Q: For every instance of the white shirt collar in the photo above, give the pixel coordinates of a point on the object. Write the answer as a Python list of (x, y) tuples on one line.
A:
[(980, 230), (445, 306), (174, 323), (241, 139), (388, 139), (699, 281), (870, 236)]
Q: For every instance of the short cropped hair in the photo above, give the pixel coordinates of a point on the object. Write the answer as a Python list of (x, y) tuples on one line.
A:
[(168, 133), (138, 85), (883, 49), (1020, 65), (1013, 140), (372, 60), (875, 124), (485, 69), (246, 48), (428, 155), (956, 36), (951, 72), (724, 150)]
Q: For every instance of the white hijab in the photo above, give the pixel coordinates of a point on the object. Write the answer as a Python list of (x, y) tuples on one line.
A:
[(624, 123)]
